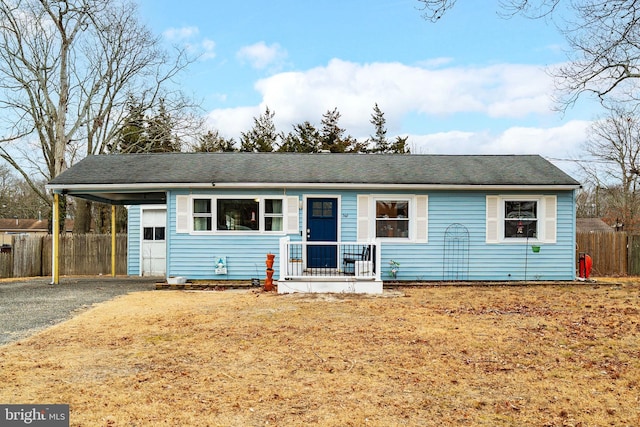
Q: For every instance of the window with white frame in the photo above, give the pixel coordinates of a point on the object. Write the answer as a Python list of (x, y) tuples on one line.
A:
[(520, 219), (517, 218), (392, 218), (237, 214), (202, 214), (273, 215)]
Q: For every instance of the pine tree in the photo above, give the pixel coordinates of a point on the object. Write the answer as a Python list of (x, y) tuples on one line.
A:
[(304, 138), (212, 142), (132, 134), (379, 140), (331, 133), (263, 136), (160, 136), (399, 146), (141, 134)]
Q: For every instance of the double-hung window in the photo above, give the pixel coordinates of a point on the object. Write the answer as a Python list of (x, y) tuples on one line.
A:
[(202, 214), (392, 218), (273, 215), (237, 214), (520, 219), (514, 219), (400, 218)]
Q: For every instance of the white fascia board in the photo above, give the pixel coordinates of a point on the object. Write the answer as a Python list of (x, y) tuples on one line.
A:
[(397, 186), (73, 188)]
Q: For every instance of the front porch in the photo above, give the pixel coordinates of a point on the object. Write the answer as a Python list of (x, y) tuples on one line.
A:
[(342, 267)]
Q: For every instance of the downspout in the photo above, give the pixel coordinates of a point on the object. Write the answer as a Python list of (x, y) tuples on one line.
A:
[(113, 240), (55, 241)]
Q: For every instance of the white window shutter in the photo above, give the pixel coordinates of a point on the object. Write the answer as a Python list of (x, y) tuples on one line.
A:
[(292, 216), (422, 216), (362, 233), (182, 214), (493, 216), (550, 219)]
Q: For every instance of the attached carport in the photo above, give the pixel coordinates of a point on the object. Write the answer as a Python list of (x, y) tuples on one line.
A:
[(113, 198), (101, 179), (131, 179)]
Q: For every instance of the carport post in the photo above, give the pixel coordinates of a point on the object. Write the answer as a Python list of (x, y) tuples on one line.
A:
[(113, 240), (55, 241)]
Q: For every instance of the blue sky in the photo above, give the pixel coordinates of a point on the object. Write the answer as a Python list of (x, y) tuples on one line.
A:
[(473, 83)]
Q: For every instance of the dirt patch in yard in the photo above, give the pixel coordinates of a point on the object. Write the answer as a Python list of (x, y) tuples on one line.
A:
[(492, 356)]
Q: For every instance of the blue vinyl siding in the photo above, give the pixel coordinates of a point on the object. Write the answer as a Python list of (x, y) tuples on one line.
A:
[(487, 262), (133, 241), (192, 255)]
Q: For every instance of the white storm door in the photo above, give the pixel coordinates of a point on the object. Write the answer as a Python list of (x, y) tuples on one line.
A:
[(154, 246)]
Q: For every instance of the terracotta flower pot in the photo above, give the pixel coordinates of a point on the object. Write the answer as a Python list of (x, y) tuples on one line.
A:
[(270, 260), (268, 282)]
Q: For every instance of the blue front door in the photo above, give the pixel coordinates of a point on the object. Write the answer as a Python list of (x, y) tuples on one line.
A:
[(322, 226)]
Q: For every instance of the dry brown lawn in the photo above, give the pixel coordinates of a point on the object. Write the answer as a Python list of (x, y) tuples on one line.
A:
[(465, 356)]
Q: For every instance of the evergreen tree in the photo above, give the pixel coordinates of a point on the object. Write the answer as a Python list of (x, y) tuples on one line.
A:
[(332, 136), (212, 142), (141, 134), (160, 135), (132, 134), (331, 133), (399, 146), (379, 140), (263, 136), (304, 138)]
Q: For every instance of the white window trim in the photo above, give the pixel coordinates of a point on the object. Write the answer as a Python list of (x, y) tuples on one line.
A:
[(546, 217), (214, 214), (367, 217)]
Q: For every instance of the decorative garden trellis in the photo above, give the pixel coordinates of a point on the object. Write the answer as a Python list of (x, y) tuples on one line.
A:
[(455, 262)]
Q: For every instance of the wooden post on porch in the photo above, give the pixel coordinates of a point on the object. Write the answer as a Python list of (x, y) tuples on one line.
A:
[(113, 240), (55, 241)]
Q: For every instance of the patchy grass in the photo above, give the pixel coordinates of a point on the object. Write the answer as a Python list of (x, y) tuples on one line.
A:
[(467, 356)]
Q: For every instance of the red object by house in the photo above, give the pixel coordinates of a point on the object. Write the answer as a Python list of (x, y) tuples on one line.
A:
[(584, 265)]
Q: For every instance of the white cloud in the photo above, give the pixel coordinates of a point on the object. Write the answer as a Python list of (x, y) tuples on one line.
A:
[(559, 142), (261, 56), (498, 91), (180, 34), (507, 103), (208, 49), (435, 62), (203, 49), (231, 122)]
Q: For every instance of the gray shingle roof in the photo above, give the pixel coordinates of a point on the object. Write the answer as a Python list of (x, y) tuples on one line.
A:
[(296, 168), (586, 225)]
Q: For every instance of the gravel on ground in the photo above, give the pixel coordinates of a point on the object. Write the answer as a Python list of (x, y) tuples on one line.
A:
[(32, 304)]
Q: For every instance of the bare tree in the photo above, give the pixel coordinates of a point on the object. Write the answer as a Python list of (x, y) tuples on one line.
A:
[(433, 10), (67, 68), (614, 143), (603, 38)]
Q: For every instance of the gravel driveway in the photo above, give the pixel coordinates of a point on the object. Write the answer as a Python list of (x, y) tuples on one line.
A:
[(33, 304)]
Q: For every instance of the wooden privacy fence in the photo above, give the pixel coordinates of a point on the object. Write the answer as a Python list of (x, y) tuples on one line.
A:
[(633, 246), (80, 254), (609, 252), (613, 254)]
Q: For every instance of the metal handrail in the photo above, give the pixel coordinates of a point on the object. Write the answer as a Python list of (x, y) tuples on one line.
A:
[(357, 260)]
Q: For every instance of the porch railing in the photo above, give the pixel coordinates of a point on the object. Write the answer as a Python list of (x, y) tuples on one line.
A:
[(329, 260)]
